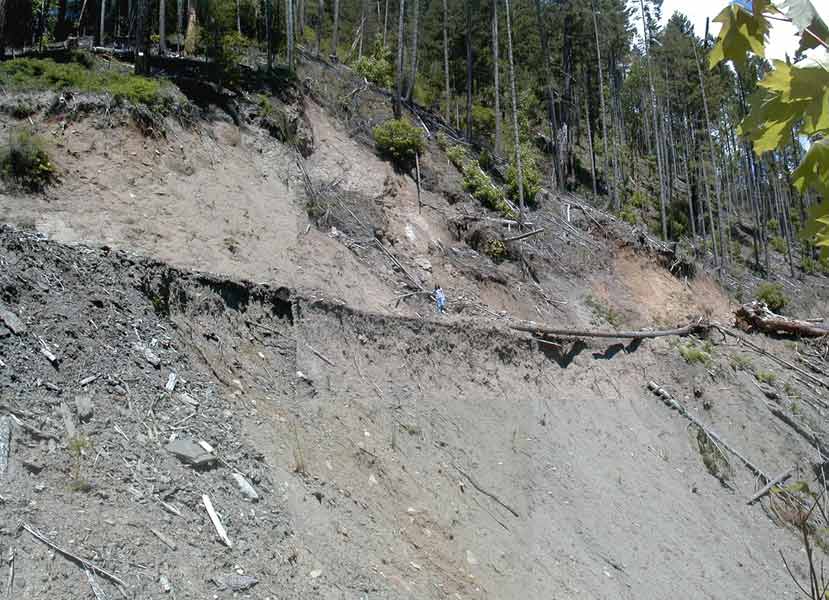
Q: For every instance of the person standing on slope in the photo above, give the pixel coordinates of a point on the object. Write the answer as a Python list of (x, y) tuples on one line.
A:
[(440, 299)]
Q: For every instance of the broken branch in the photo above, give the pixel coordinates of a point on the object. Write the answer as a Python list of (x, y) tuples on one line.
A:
[(524, 235), (490, 495), (73, 557), (767, 488)]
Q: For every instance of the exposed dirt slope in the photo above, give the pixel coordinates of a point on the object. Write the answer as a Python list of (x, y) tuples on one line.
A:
[(396, 455), (393, 433)]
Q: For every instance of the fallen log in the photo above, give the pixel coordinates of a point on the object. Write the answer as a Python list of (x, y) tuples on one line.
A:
[(768, 487), (698, 326), (756, 316), (674, 403), (524, 235)]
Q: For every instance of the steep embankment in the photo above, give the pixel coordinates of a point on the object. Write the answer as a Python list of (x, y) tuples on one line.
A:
[(395, 455), (394, 458)]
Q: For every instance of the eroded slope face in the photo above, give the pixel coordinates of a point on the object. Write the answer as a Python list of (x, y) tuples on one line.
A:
[(215, 198), (394, 458)]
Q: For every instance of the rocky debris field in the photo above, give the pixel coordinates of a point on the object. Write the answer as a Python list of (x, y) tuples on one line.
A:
[(122, 440)]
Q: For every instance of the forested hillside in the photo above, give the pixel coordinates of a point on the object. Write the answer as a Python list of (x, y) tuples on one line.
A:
[(639, 121)]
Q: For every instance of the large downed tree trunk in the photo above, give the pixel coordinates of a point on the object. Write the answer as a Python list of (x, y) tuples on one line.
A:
[(696, 327), (756, 316)]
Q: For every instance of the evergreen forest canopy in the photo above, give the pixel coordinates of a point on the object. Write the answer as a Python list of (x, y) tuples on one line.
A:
[(696, 139)]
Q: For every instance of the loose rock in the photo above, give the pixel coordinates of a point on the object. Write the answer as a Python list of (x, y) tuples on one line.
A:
[(234, 582), (248, 491), (189, 451), (83, 405), (12, 321)]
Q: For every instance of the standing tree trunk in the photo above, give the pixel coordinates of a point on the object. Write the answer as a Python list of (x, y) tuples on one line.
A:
[(179, 23), (320, 19), (711, 150), (659, 164), (238, 17), (590, 147), (162, 27), (496, 67), (190, 35), (142, 37), (448, 113), (398, 87), (3, 9), (415, 25), (268, 36), (558, 171), (517, 137), (289, 32), (551, 100), (100, 29), (386, 23), (613, 194), (362, 30), (335, 35), (468, 12)]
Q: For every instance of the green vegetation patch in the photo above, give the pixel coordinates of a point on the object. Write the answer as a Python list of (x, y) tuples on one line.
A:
[(33, 74), (697, 352), (24, 161), (377, 67), (772, 294), (399, 140)]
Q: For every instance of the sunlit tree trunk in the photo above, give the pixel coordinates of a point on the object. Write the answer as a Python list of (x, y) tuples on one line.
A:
[(468, 13), (446, 62), (162, 26), (398, 87), (320, 21), (497, 77), (335, 35), (289, 31), (415, 26), (517, 137)]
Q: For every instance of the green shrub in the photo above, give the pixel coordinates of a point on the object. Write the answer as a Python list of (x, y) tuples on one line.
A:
[(772, 294), (823, 263), (25, 162), (399, 140), (496, 250), (457, 156), (229, 53), (46, 74), (628, 214), (483, 120), (741, 362), (480, 185), (779, 244), (377, 66), (604, 311), (766, 377), (530, 172), (693, 352), (808, 264)]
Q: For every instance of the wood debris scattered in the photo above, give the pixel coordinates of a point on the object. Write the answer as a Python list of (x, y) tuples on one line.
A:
[(775, 481), (5, 443), (73, 557), (712, 435), (217, 523), (167, 541), (756, 316)]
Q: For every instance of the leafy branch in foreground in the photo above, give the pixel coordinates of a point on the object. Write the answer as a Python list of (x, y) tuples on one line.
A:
[(790, 98)]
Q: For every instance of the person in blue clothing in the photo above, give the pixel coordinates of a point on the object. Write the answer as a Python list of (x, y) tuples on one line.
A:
[(440, 299)]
